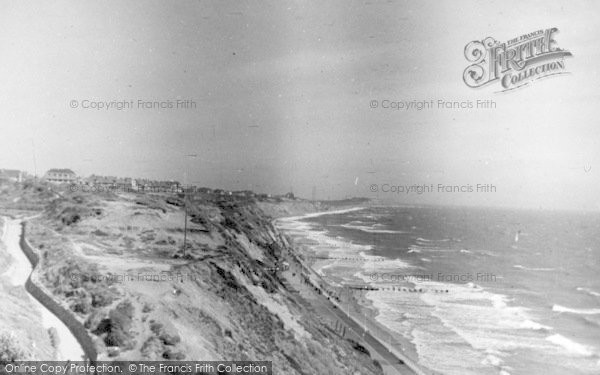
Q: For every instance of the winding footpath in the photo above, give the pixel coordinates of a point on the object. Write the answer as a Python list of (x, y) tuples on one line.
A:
[(18, 273)]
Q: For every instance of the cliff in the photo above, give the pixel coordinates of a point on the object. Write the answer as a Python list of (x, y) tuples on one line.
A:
[(118, 263)]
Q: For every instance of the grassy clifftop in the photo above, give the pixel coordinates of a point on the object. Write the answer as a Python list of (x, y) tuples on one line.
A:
[(117, 261)]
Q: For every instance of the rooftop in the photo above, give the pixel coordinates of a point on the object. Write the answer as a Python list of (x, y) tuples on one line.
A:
[(58, 170)]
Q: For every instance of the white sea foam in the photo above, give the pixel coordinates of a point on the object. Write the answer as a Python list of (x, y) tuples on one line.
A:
[(317, 214), (530, 324), (472, 285), (533, 269), (571, 346), (469, 316), (589, 291), (419, 239), (370, 229), (337, 248), (414, 249), (470, 329), (382, 263), (559, 308), (491, 360)]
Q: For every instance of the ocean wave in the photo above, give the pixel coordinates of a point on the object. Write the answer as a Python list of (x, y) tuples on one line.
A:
[(368, 229), (317, 214), (488, 253), (482, 323), (491, 360), (559, 308), (533, 269), (571, 346), (420, 239), (311, 236), (530, 324), (589, 291), (473, 286), (382, 263), (414, 249)]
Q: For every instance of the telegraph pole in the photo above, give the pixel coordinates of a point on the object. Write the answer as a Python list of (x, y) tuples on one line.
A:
[(185, 223), (185, 203), (34, 161)]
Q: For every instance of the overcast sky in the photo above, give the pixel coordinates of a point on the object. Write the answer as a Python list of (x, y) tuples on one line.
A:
[(283, 92)]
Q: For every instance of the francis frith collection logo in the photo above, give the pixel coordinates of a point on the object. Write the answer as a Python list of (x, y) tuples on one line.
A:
[(514, 63)]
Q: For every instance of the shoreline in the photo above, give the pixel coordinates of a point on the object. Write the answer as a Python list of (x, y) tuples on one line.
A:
[(361, 306), (320, 213)]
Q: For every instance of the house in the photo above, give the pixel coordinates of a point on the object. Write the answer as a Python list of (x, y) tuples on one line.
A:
[(165, 187), (152, 186), (11, 175), (124, 184), (102, 181), (244, 193), (60, 176)]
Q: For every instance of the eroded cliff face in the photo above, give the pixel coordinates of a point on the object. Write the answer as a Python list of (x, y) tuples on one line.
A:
[(118, 263)]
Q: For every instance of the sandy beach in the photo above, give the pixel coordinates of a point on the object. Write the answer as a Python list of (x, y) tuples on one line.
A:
[(396, 353)]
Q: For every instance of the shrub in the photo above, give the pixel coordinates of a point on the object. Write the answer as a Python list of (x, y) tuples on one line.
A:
[(82, 305), (54, 338), (167, 336), (117, 326), (93, 321), (100, 233), (358, 347), (102, 297), (11, 350), (170, 354), (152, 348)]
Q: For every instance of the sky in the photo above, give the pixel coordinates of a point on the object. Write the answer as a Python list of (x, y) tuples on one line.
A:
[(283, 91)]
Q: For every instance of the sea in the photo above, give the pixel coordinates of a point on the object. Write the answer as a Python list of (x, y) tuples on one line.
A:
[(474, 290)]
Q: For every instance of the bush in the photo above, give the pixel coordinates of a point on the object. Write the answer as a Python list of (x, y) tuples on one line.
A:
[(54, 338), (117, 338), (377, 365), (170, 354), (358, 347), (167, 336), (152, 348), (82, 305), (122, 315), (93, 320), (117, 326), (11, 350), (147, 308), (99, 233), (102, 297)]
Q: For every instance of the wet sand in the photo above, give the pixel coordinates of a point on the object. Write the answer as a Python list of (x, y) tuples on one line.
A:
[(395, 353)]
